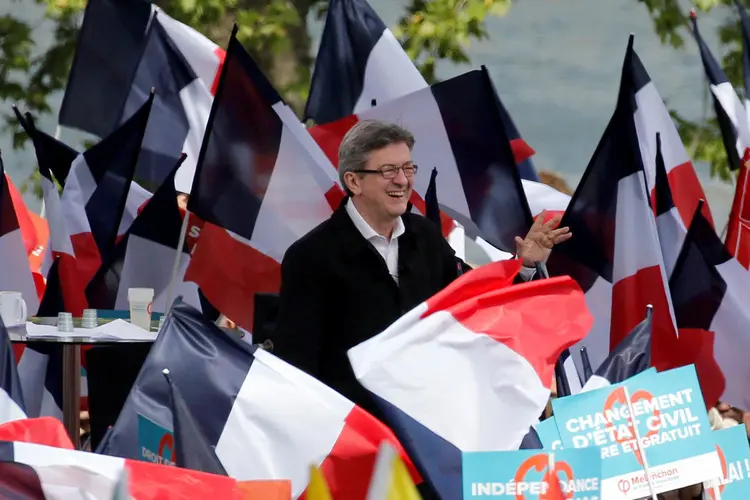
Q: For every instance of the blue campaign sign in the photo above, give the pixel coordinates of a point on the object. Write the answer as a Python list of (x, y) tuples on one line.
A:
[(671, 422), (525, 474), (155, 442), (548, 434), (734, 455)]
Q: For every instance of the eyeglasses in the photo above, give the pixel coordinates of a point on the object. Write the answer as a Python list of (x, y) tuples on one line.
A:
[(391, 171)]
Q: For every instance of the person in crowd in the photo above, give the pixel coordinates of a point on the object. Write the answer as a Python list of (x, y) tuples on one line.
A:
[(371, 262)]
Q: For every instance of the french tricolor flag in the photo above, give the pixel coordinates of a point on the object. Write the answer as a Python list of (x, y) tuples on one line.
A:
[(471, 368), (651, 115), (261, 183), (669, 224), (458, 129), (97, 189), (354, 68), (123, 50), (709, 292), (730, 112), (60, 249), (615, 254), (145, 256), (70, 474), (265, 418), (16, 274)]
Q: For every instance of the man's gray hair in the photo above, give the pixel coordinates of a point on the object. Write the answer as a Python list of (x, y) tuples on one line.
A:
[(365, 137)]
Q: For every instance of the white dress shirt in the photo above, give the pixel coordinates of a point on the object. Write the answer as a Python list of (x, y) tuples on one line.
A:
[(389, 249)]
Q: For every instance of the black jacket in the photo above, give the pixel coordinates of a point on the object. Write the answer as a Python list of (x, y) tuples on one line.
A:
[(336, 292)]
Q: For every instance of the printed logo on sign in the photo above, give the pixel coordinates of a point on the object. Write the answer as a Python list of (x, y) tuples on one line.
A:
[(723, 460), (624, 434), (148, 307), (526, 475), (155, 442), (540, 463), (623, 485)]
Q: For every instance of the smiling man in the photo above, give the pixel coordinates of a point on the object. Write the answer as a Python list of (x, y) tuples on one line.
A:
[(371, 262)]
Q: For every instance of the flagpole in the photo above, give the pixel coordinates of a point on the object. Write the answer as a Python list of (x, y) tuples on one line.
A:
[(178, 251), (176, 265), (639, 446), (43, 209)]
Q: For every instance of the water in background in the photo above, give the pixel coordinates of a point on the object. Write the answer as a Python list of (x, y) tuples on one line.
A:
[(556, 64)]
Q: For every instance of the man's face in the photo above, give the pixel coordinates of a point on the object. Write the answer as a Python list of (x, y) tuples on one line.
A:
[(386, 197)]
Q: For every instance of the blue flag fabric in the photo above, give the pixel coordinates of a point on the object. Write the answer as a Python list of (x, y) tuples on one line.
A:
[(631, 356), (192, 451)]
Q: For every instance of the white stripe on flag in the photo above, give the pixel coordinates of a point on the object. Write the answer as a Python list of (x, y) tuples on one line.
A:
[(149, 264), (282, 421), (9, 409), (387, 58), (16, 275)]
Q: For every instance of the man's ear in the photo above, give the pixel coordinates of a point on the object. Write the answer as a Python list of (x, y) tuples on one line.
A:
[(353, 182)]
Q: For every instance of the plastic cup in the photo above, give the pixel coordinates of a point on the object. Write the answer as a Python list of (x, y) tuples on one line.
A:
[(141, 300), (65, 322), (89, 319)]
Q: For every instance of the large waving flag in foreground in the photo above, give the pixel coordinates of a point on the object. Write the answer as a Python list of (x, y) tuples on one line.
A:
[(237, 393), (479, 333), (615, 255), (65, 473)]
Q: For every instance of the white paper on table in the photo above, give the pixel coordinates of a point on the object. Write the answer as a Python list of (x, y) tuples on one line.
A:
[(115, 330)]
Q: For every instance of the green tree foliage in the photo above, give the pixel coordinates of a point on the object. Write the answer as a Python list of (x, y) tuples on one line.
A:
[(671, 22), (274, 31)]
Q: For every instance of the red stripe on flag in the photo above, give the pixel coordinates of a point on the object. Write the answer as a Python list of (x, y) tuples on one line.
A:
[(221, 54), (34, 229), (231, 281), (72, 284), (335, 196), (630, 296), (87, 255), (483, 302), (738, 227), (521, 150), (164, 482), (46, 431), (686, 192), (348, 467), (696, 347), (330, 135)]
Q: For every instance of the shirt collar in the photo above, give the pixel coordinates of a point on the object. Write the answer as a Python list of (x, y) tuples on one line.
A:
[(367, 231)]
